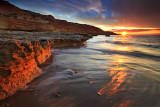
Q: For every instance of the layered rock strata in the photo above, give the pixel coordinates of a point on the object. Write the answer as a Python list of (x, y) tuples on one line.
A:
[(14, 18)]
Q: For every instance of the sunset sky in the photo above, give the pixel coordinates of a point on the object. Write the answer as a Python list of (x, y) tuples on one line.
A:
[(133, 16)]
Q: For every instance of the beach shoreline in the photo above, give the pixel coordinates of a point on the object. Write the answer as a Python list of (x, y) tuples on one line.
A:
[(23, 53), (26, 39)]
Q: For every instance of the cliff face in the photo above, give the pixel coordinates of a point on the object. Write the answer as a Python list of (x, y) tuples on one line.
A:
[(14, 18), (19, 62), (23, 53)]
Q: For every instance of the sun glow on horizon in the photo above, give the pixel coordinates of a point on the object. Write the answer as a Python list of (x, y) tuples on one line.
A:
[(131, 30), (124, 33)]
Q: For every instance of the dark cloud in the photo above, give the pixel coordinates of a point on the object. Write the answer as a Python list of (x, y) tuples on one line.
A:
[(142, 13)]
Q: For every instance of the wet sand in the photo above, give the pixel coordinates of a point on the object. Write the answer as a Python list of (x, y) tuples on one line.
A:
[(97, 75)]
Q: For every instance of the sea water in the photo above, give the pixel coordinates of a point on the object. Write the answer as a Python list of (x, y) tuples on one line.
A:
[(115, 71)]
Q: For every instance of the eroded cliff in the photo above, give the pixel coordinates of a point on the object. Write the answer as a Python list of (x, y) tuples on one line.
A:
[(19, 63), (22, 54)]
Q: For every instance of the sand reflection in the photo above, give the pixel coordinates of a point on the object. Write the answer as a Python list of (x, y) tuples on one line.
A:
[(118, 84), (118, 75), (123, 48)]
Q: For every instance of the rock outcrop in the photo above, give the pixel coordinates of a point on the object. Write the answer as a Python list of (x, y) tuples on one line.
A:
[(23, 53), (18, 66), (19, 62)]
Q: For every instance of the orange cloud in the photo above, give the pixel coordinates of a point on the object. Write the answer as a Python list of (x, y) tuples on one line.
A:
[(139, 31)]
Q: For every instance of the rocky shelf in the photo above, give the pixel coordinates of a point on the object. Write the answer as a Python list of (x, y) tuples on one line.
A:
[(22, 54)]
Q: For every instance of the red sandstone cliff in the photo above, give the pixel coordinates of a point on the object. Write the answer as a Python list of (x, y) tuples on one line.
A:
[(14, 18), (23, 53), (19, 62)]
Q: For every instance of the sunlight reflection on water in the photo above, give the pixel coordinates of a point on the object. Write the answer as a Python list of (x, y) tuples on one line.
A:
[(119, 76), (110, 72)]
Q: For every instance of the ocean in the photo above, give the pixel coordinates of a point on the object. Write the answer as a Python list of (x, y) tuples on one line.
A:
[(115, 71)]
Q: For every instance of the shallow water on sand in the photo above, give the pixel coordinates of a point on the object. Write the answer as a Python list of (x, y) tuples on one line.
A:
[(107, 71)]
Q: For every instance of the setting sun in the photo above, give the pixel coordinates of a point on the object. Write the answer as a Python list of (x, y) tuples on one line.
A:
[(124, 33)]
